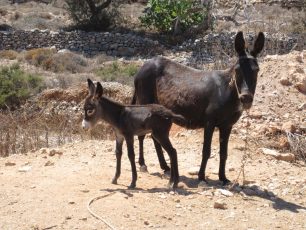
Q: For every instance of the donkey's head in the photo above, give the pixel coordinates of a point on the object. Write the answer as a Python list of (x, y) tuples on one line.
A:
[(92, 110), (246, 69)]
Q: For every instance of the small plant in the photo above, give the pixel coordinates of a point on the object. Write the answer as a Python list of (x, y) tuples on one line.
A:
[(173, 16), (16, 86), (119, 72)]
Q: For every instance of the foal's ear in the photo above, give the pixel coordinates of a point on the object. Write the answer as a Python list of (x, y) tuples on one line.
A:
[(259, 44), (91, 88), (239, 43), (99, 90)]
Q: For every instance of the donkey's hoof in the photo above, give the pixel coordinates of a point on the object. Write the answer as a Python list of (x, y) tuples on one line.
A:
[(132, 186), (143, 168), (114, 181), (166, 169), (172, 185), (226, 182)]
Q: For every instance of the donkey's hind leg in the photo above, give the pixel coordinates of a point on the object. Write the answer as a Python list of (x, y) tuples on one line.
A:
[(141, 161)]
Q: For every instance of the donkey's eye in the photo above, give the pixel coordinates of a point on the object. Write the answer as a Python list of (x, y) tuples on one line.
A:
[(90, 112)]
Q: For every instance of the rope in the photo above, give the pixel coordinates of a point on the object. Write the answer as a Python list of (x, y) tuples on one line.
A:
[(97, 216), (245, 155)]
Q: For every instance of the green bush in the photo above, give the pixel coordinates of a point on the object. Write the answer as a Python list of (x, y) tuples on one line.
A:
[(120, 72), (173, 16), (16, 86)]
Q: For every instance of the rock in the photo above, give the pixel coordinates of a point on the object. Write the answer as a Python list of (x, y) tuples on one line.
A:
[(225, 192), (53, 152), (302, 107), (193, 171), (10, 163), (49, 163), (289, 126), (146, 222), (43, 150), (285, 81), (25, 168), (289, 157), (270, 152), (220, 204)]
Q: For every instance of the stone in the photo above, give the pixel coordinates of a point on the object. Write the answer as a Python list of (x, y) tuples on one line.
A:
[(49, 163), (285, 81), (10, 163), (53, 152), (270, 152), (225, 192), (289, 126), (193, 171), (25, 168), (220, 204), (289, 157)]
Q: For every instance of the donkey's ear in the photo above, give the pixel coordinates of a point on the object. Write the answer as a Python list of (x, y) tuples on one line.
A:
[(91, 88), (259, 44), (99, 90), (239, 43)]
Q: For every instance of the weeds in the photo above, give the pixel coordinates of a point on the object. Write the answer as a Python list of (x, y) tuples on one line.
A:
[(120, 72)]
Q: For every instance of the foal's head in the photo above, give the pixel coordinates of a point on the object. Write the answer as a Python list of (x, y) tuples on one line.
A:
[(91, 107), (246, 68)]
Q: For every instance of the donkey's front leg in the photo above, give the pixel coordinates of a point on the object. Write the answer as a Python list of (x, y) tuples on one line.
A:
[(119, 143), (223, 136), (208, 133), (131, 155), (143, 167)]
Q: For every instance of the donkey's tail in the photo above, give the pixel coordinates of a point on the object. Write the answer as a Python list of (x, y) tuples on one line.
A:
[(133, 102)]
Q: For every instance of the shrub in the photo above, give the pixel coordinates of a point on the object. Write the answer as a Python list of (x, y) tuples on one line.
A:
[(16, 86), (39, 56), (120, 72), (93, 15), (173, 16), (8, 54)]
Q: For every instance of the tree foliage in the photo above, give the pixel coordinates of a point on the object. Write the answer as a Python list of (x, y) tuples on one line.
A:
[(174, 16), (93, 15)]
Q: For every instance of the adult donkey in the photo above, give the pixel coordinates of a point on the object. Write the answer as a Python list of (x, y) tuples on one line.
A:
[(207, 99)]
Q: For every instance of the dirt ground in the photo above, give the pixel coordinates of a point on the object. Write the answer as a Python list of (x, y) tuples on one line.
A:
[(44, 189), (39, 191)]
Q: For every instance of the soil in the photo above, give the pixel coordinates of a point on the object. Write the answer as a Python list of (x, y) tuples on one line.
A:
[(47, 189)]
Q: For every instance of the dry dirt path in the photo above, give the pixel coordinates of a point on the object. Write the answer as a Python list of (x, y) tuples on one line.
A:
[(54, 192)]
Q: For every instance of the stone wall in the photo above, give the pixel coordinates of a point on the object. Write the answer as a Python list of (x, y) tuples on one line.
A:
[(126, 45)]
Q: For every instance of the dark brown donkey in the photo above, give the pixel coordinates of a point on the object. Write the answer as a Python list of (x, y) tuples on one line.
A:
[(129, 121), (207, 99)]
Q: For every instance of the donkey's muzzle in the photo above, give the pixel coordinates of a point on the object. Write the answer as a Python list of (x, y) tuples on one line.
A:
[(246, 100), (86, 125)]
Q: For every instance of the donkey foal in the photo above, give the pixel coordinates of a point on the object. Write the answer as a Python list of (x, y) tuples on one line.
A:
[(129, 121)]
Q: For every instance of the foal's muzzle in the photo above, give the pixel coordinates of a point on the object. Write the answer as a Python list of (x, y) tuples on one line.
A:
[(85, 124), (246, 100)]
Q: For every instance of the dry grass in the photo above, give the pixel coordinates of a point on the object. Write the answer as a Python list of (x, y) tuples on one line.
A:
[(8, 54)]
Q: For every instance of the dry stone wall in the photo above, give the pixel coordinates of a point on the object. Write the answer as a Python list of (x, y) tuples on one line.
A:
[(126, 45)]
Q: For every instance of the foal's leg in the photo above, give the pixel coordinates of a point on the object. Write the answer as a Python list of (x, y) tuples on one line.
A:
[(161, 157), (119, 143), (141, 161), (131, 155), (164, 141), (223, 136), (208, 133)]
